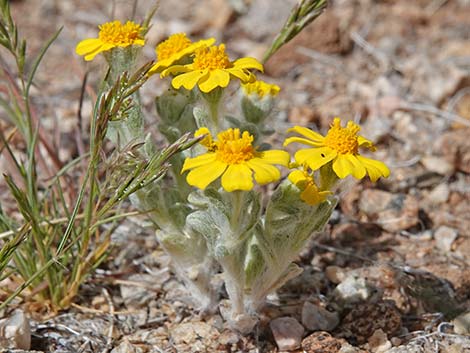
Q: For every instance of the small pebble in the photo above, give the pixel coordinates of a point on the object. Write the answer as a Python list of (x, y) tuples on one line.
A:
[(335, 274), (352, 289), (287, 333), (439, 194), (395, 341), (316, 318), (437, 164), (445, 236), (15, 331), (322, 342), (378, 342)]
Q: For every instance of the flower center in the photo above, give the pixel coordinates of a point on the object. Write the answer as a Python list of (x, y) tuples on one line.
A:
[(343, 140), (174, 44), (211, 58), (119, 34), (233, 147)]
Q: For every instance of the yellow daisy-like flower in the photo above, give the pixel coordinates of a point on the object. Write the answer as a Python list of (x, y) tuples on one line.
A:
[(233, 158), (175, 48), (306, 183), (260, 89), (112, 34), (341, 147), (212, 68)]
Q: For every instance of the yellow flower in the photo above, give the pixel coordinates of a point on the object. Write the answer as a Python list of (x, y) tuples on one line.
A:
[(175, 48), (306, 183), (260, 89), (341, 147), (233, 158), (212, 68), (112, 34)]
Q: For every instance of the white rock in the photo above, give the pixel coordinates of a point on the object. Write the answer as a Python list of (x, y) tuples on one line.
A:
[(352, 289), (444, 237), (437, 164), (316, 318), (15, 332), (439, 194), (287, 333)]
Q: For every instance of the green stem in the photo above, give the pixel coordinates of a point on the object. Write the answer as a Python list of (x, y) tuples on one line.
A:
[(234, 281), (237, 197), (213, 99)]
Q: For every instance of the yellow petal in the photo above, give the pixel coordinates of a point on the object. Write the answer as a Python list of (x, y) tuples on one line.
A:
[(243, 75), (206, 174), (192, 48), (216, 78), (375, 169), (102, 48), (310, 134), (88, 45), (359, 171), (363, 142), (342, 166), (298, 178), (203, 159), (275, 157), (175, 69), (237, 177), (315, 157), (90, 56), (158, 67), (204, 42), (303, 141), (189, 79), (161, 65), (311, 195), (248, 63), (264, 173)]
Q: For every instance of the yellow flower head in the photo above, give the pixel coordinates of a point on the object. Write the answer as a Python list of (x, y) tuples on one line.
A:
[(233, 158), (306, 183), (341, 147), (260, 89), (212, 68), (175, 48), (112, 34)]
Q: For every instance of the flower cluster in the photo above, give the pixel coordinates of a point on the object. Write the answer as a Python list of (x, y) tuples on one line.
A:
[(235, 159), (224, 220)]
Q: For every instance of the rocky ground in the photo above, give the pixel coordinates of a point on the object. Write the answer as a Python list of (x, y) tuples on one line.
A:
[(390, 273)]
